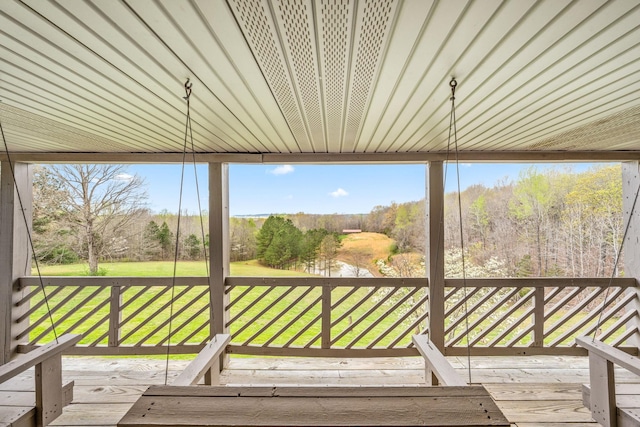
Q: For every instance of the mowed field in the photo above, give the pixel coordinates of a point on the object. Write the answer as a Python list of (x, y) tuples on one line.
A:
[(164, 269), (376, 245)]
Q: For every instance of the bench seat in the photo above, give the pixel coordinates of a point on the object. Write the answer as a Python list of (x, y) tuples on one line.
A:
[(314, 406)]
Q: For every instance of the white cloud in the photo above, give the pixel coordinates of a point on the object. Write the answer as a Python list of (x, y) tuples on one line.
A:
[(123, 177), (282, 170), (339, 193)]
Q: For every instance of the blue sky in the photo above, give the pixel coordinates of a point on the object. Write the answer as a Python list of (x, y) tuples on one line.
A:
[(319, 189)]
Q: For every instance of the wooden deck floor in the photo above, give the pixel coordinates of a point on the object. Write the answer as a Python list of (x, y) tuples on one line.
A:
[(531, 391)]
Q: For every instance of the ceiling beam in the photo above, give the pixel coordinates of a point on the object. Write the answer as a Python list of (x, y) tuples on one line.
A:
[(328, 158)]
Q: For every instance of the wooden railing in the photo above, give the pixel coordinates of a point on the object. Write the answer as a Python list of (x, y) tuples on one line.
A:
[(536, 315), (318, 316), (315, 316), (119, 315)]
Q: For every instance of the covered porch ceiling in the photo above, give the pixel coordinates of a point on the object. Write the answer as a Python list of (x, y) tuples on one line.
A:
[(341, 78)]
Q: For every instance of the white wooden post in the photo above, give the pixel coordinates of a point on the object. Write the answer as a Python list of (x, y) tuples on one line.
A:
[(219, 248), (435, 252), (630, 182), (15, 252)]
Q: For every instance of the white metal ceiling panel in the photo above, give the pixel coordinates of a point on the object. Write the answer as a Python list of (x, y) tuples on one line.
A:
[(319, 76)]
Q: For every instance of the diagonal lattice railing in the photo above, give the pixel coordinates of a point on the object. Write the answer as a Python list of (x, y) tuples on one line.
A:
[(119, 315), (325, 316), (517, 316), (315, 316)]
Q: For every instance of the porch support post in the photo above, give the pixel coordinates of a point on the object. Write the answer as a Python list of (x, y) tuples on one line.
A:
[(15, 252), (630, 183), (219, 249), (435, 252)]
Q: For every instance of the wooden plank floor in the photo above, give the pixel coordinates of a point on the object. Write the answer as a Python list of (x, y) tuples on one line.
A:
[(539, 391)]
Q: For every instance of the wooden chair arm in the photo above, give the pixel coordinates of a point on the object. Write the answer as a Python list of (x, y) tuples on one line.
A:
[(612, 354), (206, 361), (22, 362), (438, 368)]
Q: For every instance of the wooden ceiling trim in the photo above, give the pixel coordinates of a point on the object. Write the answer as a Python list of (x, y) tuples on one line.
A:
[(328, 158)]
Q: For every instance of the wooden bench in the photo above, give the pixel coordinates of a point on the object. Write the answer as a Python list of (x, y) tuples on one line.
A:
[(206, 364), (314, 406), (185, 404), (18, 407), (610, 405), (438, 370)]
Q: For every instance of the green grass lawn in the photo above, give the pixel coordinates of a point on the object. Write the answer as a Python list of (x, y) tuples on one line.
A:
[(164, 268)]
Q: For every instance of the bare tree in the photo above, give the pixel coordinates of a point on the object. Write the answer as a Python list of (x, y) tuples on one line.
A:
[(358, 260), (99, 201)]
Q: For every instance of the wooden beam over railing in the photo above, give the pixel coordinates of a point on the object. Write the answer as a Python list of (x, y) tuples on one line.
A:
[(327, 158)]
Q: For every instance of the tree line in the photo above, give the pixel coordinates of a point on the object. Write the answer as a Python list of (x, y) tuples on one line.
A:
[(280, 244), (547, 222)]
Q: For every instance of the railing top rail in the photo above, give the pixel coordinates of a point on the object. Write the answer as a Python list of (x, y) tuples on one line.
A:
[(541, 282), (108, 281), (420, 282)]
